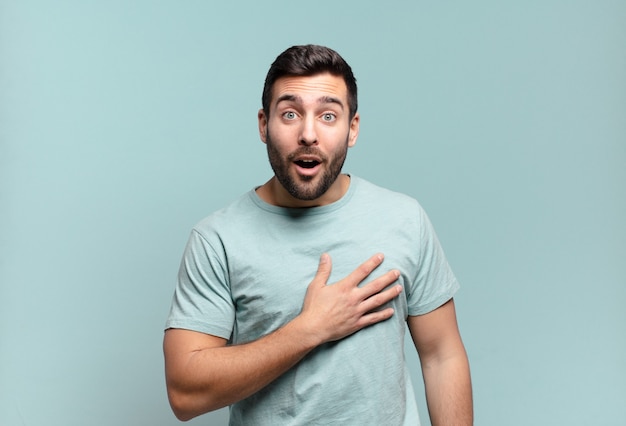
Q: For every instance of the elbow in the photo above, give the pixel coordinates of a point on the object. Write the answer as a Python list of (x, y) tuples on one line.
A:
[(180, 406), (186, 406)]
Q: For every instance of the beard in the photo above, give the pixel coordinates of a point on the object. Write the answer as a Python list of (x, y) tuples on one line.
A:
[(306, 188)]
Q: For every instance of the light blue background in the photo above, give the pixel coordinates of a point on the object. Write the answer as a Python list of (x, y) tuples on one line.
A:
[(124, 123)]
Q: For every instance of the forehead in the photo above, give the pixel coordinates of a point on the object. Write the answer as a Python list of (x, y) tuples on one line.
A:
[(311, 88)]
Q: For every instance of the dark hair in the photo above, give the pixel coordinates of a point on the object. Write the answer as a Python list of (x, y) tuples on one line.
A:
[(308, 60)]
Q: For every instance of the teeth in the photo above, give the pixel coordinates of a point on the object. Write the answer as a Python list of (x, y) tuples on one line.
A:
[(309, 164)]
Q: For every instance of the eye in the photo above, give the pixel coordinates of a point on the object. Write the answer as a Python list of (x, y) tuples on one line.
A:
[(289, 115), (329, 117)]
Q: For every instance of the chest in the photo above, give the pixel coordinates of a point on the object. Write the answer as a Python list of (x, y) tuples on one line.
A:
[(270, 271)]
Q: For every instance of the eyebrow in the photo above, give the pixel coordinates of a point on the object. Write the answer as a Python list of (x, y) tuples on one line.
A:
[(322, 100)]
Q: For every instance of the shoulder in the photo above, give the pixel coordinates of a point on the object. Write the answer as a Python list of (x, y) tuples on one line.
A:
[(375, 194), (227, 217)]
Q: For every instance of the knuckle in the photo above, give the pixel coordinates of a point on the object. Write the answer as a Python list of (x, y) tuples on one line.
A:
[(365, 269)]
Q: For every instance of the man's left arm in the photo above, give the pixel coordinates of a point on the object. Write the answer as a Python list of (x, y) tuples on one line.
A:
[(445, 366)]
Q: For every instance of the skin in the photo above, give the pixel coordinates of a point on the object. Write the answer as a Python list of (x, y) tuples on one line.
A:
[(445, 367), (309, 120)]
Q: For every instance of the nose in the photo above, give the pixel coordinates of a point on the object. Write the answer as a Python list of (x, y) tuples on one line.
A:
[(308, 135)]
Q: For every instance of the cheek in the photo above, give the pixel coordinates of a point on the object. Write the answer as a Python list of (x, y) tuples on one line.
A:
[(276, 133)]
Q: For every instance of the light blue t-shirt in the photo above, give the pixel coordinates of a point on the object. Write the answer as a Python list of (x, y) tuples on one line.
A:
[(245, 272)]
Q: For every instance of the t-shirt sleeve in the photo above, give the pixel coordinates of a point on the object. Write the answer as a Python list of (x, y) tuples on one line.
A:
[(434, 283), (202, 299)]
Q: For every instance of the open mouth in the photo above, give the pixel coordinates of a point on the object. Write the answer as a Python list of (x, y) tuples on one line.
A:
[(307, 164)]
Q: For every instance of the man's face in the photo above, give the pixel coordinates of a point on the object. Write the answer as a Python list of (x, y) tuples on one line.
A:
[(308, 133)]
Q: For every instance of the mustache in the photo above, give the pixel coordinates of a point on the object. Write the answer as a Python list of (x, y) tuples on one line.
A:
[(306, 150)]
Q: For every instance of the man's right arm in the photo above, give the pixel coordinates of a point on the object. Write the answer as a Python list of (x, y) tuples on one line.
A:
[(203, 373)]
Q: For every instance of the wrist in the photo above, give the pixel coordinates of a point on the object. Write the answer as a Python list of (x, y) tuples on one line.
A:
[(306, 333)]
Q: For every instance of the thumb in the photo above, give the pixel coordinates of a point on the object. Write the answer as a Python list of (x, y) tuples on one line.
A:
[(323, 270)]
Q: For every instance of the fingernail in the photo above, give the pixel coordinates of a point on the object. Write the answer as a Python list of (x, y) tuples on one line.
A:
[(324, 258)]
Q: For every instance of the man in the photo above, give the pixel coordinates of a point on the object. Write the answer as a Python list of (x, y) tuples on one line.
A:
[(292, 302)]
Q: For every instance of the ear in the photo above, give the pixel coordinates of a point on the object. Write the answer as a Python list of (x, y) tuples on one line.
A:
[(262, 125), (354, 130)]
